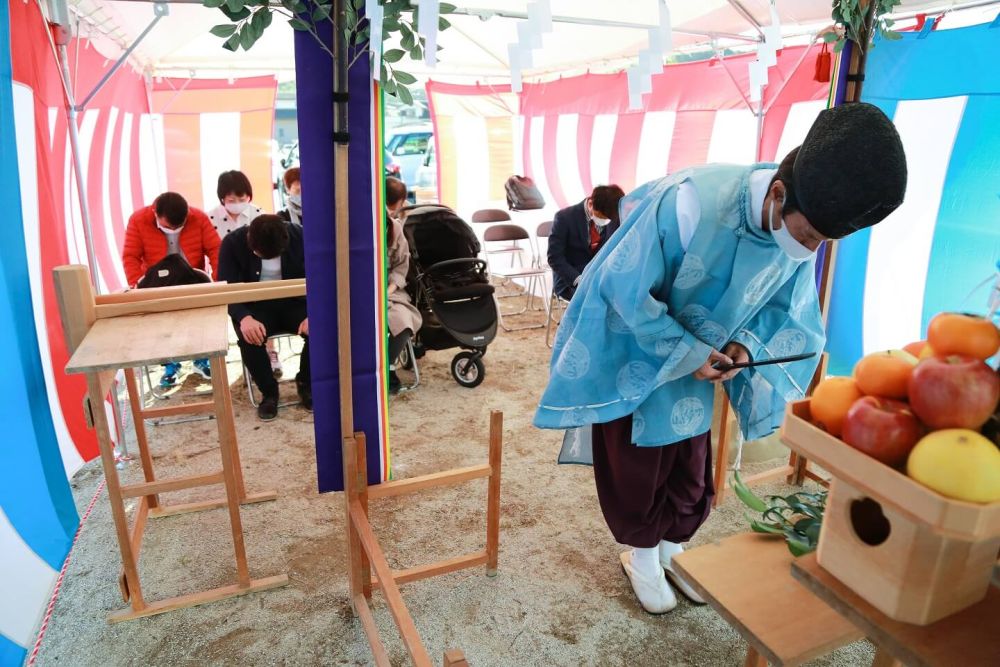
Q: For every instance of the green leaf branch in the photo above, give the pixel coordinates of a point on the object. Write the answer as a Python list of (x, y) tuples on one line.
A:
[(249, 19), (797, 517), (850, 16)]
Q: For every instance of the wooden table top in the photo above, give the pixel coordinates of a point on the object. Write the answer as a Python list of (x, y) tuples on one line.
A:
[(152, 338), (970, 638), (747, 580)]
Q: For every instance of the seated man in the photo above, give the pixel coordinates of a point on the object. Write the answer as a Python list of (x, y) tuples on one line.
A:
[(170, 227), (578, 232), (267, 249)]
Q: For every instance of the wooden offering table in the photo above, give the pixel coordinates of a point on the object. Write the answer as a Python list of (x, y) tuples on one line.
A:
[(100, 347), (970, 638), (746, 579)]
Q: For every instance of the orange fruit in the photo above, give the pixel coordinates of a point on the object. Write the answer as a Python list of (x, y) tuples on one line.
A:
[(966, 335), (885, 374), (831, 400), (915, 348), (927, 352)]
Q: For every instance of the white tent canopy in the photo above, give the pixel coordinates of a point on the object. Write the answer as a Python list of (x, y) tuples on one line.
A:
[(595, 34)]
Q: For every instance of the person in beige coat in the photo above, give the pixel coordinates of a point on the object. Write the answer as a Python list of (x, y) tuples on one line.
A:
[(404, 318)]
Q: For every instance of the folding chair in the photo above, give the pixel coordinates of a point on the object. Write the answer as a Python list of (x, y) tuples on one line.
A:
[(553, 301), (277, 338), (493, 215), (145, 374), (534, 275)]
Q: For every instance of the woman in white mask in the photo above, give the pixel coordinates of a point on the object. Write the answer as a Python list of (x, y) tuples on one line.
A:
[(235, 209)]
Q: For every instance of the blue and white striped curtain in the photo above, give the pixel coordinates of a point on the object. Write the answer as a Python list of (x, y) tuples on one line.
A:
[(942, 90)]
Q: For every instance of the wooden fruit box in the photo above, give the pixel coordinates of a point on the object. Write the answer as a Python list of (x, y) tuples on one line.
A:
[(914, 554)]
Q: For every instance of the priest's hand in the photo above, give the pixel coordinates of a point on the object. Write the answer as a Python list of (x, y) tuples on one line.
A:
[(304, 327), (739, 355), (707, 370)]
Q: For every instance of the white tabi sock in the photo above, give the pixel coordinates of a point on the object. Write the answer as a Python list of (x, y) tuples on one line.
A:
[(668, 550), (646, 561)]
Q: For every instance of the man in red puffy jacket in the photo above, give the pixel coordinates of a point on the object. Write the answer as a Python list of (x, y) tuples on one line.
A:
[(170, 227)]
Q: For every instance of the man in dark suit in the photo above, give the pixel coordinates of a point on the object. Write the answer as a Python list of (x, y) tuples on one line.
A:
[(269, 248), (578, 232)]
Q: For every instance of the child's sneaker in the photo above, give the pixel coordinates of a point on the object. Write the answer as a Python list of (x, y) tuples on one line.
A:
[(203, 368), (170, 371)]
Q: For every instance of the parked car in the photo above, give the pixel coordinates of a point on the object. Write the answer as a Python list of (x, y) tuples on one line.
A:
[(425, 183), (408, 146)]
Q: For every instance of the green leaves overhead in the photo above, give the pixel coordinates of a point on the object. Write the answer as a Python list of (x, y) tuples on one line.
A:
[(850, 16), (249, 20)]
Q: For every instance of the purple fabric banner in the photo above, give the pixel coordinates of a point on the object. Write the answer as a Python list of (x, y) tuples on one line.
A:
[(314, 90)]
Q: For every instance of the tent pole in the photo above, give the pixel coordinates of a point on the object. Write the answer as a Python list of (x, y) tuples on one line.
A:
[(74, 143), (160, 9)]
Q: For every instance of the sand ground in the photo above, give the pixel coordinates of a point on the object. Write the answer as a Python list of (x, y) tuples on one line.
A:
[(560, 597)]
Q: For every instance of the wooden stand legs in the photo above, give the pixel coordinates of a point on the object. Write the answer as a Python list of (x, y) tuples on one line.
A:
[(365, 554), (130, 540)]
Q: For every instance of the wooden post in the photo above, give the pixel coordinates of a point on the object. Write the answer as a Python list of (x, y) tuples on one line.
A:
[(227, 443), (361, 478), (455, 658), (75, 297), (135, 404), (493, 495), (351, 493), (754, 658), (722, 454), (129, 556)]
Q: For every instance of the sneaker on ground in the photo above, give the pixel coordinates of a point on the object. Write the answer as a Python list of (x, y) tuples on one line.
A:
[(653, 591), (268, 409), (276, 368), (170, 371), (394, 383), (305, 394), (675, 578), (203, 368)]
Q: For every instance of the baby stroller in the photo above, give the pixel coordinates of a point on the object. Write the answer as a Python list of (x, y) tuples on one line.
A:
[(450, 285)]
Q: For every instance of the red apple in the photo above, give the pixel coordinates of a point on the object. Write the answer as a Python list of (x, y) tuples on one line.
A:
[(954, 392), (883, 428)]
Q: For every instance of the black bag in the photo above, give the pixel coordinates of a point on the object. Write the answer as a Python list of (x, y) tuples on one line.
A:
[(522, 194), (170, 271)]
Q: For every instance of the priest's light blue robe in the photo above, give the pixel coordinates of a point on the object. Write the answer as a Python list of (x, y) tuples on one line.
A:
[(648, 311)]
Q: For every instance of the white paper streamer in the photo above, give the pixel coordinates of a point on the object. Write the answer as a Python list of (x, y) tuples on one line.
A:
[(526, 56), (540, 16), (767, 55), (665, 30), (651, 61), (772, 33), (634, 88), (375, 13), (758, 74), (428, 27), (655, 41), (514, 56), (527, 36)]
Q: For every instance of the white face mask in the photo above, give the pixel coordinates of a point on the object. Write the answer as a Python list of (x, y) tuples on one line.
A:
[(168, 231), (601, 222), (795, 250), (237, 207)]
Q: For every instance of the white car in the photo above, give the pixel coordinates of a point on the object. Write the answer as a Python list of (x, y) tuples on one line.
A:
[(408, 147)]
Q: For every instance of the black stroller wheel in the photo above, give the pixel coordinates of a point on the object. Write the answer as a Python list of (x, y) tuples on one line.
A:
[(468, 369)]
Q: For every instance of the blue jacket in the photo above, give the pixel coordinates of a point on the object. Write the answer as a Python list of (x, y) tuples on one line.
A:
[(569, 246), (649, 311)]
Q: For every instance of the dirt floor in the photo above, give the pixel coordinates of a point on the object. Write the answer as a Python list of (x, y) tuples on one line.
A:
[(560, 597)]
